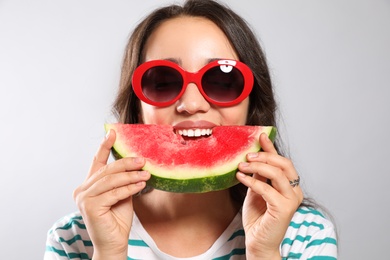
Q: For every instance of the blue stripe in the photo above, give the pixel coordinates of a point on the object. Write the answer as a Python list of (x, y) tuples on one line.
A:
[(74, 239), (318, 242), (290, 241), (292, 256), (68, 255), (71, 223), (307, 224), (236, 251), (133, 242), (310, 211), (240, 232)]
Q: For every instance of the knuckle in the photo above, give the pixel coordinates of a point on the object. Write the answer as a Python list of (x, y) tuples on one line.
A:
[(131, 177), (267, 188), (279, 174), (75, 193), (106, 179), (122, 192), (82, 203), (78, 191), (251, 181), (125, 163), (102, 170), (289, 163), (120, 164), (116, 192), (129, 188), (95, 159)]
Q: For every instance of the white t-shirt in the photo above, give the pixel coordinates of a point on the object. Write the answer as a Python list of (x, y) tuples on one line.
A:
[(309, 235)]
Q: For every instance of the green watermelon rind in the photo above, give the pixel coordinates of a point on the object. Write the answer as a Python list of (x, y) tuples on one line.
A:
[(202, 184), (194, 185)]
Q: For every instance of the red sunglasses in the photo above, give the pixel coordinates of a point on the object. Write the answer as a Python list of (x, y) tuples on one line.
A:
[(221, 82)]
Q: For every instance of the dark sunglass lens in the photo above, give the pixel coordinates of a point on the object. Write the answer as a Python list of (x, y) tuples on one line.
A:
[(223, 83), (161, 84)]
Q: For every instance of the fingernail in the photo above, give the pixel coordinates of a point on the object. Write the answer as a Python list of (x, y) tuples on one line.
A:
[(242, 175), (143, 173), (138, 160), (244, 164), (253, 155), (108, 133)]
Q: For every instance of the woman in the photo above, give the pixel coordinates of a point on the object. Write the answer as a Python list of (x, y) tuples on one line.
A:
[(261, 218)]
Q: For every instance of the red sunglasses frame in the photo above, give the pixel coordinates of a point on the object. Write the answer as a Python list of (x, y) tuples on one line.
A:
[(196, 78)]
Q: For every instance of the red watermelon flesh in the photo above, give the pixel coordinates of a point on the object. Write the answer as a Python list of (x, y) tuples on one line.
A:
[(180, 164)]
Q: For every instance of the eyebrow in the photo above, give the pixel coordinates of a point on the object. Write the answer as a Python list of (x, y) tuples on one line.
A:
[(214, 59), (179, 61)]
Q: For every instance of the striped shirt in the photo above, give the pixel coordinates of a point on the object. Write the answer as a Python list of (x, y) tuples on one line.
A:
[(309, 236)]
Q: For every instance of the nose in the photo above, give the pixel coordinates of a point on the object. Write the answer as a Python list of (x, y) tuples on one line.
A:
[(192, 101)]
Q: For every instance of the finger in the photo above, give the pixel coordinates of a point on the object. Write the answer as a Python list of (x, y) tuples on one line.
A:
[(286, 165), (112, 197), (276, 175), (101, 157), (277, 206), (117, 180), (280, 175), (265, 190), (122, 165), (266, 144), (87, 203)]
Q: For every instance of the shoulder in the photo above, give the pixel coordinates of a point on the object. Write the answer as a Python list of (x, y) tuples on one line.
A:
[(68, 237), (69, 225), (306, 217), (309, 234)]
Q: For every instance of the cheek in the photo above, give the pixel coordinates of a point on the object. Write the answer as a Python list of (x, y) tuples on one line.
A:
[(236, 115), (154, 115)]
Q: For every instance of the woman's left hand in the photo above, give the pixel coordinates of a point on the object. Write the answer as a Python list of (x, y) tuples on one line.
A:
[(267, 210)]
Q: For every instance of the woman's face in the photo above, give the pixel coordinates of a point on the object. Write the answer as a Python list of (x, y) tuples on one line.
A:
[(191, 42)]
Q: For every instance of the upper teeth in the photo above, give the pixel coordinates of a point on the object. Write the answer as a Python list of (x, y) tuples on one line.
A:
[(195, 132)]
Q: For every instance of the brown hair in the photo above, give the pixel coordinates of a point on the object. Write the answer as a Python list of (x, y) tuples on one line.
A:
[(262, 105)]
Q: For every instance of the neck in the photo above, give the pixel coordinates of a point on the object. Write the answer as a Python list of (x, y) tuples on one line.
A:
[(178, 206), (192, 217)]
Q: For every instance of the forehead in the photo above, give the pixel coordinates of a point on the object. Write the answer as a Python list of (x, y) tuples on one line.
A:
[(187, 38)]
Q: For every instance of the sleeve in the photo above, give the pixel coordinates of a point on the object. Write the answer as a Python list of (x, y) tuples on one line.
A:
[(54, 249), (310, 236), (68, 239), (322, 245)]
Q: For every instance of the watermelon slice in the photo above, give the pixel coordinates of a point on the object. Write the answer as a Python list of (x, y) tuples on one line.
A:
[(189, 165)]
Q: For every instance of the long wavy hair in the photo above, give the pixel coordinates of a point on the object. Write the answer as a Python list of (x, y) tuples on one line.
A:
[(262, 105)]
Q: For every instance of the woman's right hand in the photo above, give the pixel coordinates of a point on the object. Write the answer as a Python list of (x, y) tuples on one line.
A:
[(105, 200)]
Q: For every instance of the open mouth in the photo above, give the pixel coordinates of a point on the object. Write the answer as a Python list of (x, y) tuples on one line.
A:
[(194, 132)]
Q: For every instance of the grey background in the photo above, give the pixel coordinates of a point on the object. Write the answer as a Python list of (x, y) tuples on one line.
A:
[(59, 68)]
